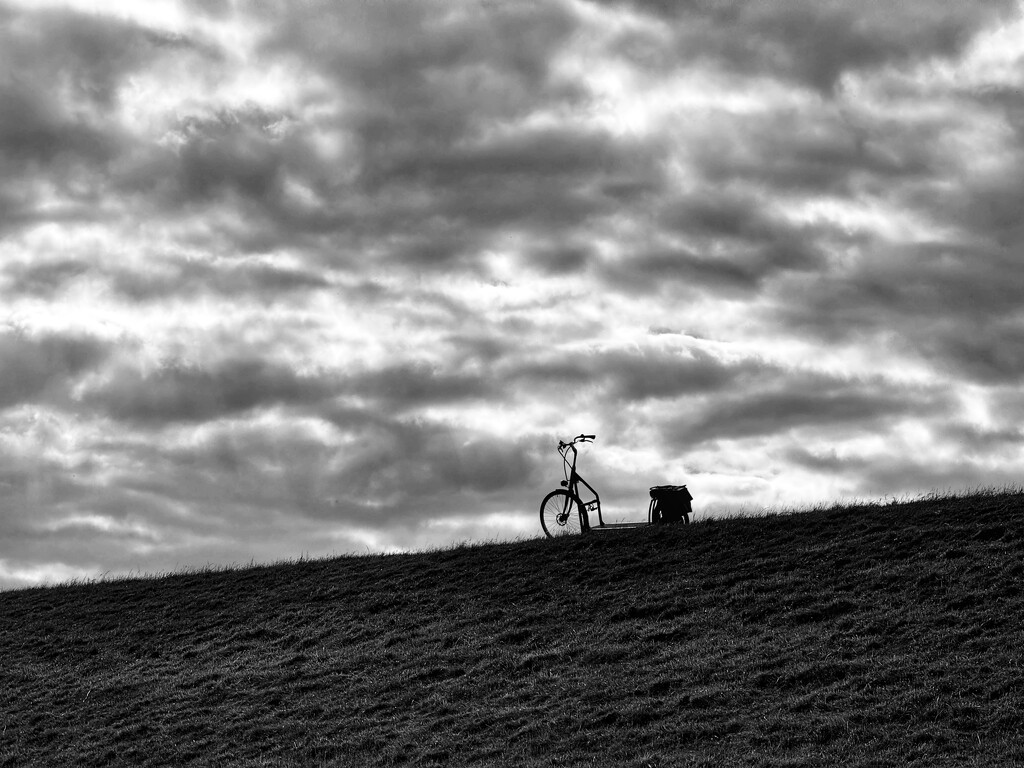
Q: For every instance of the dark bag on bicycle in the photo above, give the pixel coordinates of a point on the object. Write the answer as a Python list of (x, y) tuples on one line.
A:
[(670, 504)]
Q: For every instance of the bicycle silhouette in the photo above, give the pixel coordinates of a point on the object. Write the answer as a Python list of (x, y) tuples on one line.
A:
[(563, 511)]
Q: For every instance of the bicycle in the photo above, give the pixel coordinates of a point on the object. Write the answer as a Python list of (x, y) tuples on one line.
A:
[(563, 511)]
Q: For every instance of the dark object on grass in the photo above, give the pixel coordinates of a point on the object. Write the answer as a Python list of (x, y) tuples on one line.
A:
[(670, 504), (563, 511)]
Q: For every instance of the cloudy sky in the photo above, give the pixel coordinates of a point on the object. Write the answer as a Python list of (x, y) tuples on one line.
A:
[(301, 278)]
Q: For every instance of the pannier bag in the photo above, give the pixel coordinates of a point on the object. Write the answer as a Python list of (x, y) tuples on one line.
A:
[(670, 504)]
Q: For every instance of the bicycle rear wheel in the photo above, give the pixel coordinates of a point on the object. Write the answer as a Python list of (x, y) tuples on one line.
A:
[(560, 514)]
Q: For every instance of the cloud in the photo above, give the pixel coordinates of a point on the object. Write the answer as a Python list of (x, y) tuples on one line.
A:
[(59, 127), (232, 152), (90, 54), (451, 127), (418, 385), (948, 303), (989, 352), (815, 43), (750, 245), (783, 402), (441, 68), (979, 442), (161, 278), (177, 392), (630, 377), (33, 129), (815, 150), (43, 369), (407, 470)]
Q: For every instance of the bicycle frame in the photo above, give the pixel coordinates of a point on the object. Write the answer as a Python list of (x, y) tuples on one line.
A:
[(572, 483)]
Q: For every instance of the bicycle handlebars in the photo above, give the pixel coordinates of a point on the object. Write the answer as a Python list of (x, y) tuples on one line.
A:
[(577, 439)]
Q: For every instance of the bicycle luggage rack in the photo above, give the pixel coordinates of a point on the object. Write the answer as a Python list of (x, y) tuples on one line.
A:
[(564, 512)]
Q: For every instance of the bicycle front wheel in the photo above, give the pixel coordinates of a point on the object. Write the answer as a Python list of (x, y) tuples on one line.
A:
[(560, 514)]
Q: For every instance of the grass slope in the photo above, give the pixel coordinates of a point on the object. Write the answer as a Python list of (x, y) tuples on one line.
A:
[(873, 635)]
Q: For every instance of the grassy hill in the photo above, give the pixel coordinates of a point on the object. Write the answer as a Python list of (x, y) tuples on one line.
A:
[(869, 635)]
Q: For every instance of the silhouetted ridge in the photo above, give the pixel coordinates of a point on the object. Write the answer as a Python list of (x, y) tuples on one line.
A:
[(874, 634)]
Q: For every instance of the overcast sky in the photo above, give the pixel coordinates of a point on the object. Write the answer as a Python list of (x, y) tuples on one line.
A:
[(301, 278)]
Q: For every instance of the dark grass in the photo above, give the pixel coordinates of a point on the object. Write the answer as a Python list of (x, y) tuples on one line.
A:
[(869, 635)]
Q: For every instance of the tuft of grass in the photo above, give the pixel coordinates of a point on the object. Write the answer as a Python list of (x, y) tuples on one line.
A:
[(864, 634)]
